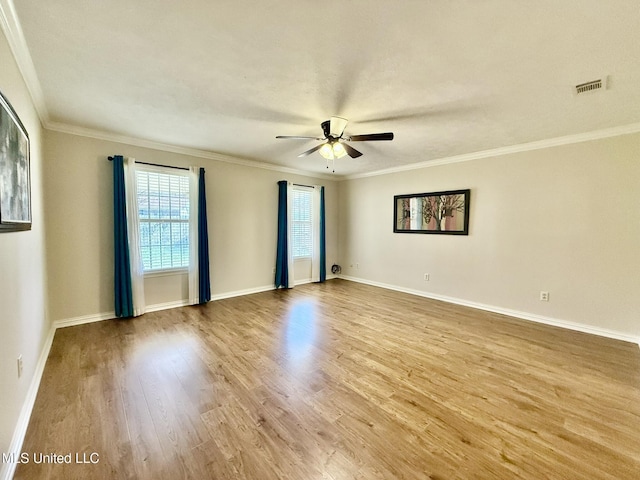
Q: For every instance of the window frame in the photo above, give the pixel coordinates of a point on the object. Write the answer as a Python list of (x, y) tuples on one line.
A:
[(165, 271), (309, 191)]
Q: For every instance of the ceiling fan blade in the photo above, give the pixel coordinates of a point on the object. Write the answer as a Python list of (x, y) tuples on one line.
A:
[(352, 152), (370, 137), (311, 150), (298, 137), (337, 126)]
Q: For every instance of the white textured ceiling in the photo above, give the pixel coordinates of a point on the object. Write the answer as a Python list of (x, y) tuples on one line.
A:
[(447, 77)]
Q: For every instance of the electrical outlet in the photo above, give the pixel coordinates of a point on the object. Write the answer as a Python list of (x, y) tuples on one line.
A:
[(19, 366), (274, 270), (426, 277), (357, 266), (544, 296)]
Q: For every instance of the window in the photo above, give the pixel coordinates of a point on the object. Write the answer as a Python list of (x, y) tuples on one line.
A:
[(163, 209), (301, 223)]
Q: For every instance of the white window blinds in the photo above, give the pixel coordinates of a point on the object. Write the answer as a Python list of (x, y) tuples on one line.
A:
[(163, 205), (301, 223)]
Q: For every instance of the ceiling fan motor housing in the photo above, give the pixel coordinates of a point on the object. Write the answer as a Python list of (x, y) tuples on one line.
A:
[(326, 128)]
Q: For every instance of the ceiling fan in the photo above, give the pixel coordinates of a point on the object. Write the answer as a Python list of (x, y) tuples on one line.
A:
[(334, 145)]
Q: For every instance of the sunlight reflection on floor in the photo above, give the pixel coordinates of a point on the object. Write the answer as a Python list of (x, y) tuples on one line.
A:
[(301, 334)]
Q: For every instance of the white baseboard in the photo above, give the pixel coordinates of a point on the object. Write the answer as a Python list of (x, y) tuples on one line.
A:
[(602, 332), (239, 293), (98, 317), (165, 306), (8, 469), (70, 322), (265, 288)]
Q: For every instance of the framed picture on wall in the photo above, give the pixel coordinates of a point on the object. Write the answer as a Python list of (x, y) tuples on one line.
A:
[(436, 212), (15, 181)]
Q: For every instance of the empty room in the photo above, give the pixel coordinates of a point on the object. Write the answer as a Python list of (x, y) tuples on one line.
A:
[(339, 240)]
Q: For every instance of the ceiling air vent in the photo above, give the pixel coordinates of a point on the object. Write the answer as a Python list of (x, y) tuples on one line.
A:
[(589, 86)]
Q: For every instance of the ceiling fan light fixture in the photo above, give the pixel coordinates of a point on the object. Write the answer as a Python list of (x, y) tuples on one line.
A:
[(327, 152), (338, 150), (333, 150)]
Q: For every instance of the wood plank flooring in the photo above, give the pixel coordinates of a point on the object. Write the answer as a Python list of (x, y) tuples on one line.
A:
[(335, 381)]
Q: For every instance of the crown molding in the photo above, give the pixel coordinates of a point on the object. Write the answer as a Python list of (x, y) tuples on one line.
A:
[(15, 37), (165, 147), (496, 152)]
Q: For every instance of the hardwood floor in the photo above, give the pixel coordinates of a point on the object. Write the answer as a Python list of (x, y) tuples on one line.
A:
[(335, 381)]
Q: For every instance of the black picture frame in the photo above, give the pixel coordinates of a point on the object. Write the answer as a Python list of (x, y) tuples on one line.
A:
[(444, 213), (15, 171)]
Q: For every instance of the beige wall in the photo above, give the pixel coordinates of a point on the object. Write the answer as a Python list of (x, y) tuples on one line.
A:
[(241, 207), (564, 219), (23, 322)]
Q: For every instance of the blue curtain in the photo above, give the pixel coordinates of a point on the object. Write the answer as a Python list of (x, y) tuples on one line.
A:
[(204, 285), (282, 261), (122, 265), (323, 253)]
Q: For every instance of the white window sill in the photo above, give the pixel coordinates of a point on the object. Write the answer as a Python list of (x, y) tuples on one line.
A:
[(297, 259), (166, 272)]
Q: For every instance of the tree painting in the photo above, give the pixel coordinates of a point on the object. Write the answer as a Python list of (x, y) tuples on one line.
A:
[(438, 212), (439, 207)]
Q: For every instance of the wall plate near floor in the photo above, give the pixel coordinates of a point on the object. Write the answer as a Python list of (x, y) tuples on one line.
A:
[(544, 296)]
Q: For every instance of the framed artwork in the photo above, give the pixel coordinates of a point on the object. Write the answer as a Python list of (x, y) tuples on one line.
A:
[(15, 181), (436, 212)]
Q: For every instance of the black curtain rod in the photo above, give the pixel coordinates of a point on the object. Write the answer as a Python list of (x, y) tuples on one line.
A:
[(155, 164), (300, 185)]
